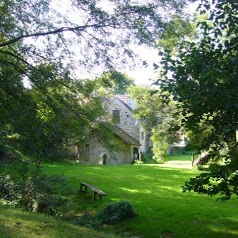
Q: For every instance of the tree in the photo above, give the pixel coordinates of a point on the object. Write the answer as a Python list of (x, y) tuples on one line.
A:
[(176, 30), (202, 76), (161, 119), (24, 22), (35, 33), (55, 124), (113, 82)]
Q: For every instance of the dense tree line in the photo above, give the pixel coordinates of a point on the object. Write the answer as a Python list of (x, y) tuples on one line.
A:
[(202, 77), (38, 42)]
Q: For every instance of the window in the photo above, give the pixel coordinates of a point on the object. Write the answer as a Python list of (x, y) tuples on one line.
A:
[(142, 135), (116, 116)]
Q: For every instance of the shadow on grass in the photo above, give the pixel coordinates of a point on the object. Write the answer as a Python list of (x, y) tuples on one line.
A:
[(15, 223), (161, 206)]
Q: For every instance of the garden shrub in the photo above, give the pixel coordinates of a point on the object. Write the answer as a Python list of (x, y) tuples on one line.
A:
[(148, 158), (160, 151), (88, 220), (111, 214), (116, 211), (32, 190), (138, 162)]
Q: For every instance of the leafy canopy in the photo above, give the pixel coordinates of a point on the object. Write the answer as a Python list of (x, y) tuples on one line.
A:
[(45, 43), (159, 119), (114, 82), (202, 76)]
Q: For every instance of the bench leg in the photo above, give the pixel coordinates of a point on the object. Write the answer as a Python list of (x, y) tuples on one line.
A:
[(94, 196), (81, 187)]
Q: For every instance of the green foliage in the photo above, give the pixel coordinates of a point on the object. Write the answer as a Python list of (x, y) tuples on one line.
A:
[(59, 112), (138, 162), (32, 190), (160, 151), (113, 82), (155, 192), (221, 179), (112, 213), (8, 152), (178, 28), (116, 211), (88, 220), (161, 119), (202, 77), (41, 98)]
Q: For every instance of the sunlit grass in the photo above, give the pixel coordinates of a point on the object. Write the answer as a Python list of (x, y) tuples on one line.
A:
[(162, 208), (155, 191), (15, 223)]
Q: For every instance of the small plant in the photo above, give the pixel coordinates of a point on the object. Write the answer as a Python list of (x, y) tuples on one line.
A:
[(111, 214), (138, 162), (116, 211), (88, 220)]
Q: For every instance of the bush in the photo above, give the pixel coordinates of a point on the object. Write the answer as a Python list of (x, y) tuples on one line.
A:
[(32, 191), (138, 162), (111, 214), (148, 158), (88, 220), (116, 211), (160, 151)]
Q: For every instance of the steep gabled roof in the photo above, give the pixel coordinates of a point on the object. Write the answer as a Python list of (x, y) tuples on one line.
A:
[(124, 136), (123, 103)]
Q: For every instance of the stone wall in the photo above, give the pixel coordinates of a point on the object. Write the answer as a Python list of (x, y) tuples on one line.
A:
[(127, 122), (90, 152)]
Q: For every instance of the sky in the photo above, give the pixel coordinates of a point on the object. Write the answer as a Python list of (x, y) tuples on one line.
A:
[(141, 74), (147, 75)]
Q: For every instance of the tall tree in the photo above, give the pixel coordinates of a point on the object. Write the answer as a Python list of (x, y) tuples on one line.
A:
[(33, 33), (114, 82), (158, 118), (58, 114), (203, 78)]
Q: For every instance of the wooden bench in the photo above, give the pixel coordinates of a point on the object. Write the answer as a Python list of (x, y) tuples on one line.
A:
[(94, 189)]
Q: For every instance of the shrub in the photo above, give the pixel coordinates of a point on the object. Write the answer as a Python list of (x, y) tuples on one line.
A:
[(160, 151), (88, 220), (138, 162), (32, 191), (116, 211)]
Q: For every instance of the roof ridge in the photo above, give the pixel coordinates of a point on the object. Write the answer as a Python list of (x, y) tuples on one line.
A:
[(126, 105), (123, 134)]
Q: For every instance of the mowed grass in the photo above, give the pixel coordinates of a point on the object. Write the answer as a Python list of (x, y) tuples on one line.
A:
[(162, 209), (16, 223)]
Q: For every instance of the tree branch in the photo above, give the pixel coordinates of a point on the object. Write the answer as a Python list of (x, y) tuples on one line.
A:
[(38, 34)]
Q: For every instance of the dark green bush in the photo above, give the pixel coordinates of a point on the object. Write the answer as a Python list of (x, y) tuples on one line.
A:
[(111, 214), (33, 191), (116, 211), (88, 220)]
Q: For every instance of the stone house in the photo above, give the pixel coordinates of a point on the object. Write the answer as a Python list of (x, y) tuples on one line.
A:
[(127, 133)]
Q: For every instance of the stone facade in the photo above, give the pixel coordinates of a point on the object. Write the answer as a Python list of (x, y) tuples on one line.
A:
[(126, 121), (127, 132), (90, 152)]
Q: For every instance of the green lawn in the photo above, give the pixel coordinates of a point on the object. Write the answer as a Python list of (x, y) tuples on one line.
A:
[(15, 223), (181, 154), (162, 209)]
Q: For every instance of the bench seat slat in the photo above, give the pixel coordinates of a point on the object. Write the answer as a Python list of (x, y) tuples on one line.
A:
[(94, 189)]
